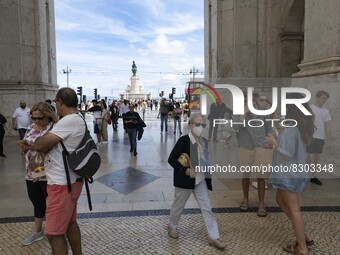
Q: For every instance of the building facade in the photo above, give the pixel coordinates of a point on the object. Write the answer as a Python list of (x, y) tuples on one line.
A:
[(267, 43), (27, 53)]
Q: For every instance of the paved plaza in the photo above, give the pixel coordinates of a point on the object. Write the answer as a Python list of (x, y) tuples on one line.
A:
[(132, 196)]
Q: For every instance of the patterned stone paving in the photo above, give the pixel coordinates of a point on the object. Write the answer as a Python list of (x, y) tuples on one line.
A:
[(245, 233), (127, 180)]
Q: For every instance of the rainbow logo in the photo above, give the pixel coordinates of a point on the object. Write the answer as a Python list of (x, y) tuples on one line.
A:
[(208, 89)]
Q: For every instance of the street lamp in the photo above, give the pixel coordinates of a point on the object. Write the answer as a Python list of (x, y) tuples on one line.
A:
[(67, 71), (193, 71)]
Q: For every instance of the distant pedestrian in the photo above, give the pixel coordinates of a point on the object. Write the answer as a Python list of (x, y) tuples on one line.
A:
[(21, 119), (164, 114), (105, 117), (143, 108), (151, 104), (114, 115), (322, 132), (131, 119), (177, 112), (250, 139), (97, 119), (124, 108), (213, 114), (185, 107), (3, 126)]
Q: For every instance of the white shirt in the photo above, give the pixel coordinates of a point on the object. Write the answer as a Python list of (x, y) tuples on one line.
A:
[(143, 106), (71, 129), (124, 108), (200, 176), (23, 117), (321, 116)]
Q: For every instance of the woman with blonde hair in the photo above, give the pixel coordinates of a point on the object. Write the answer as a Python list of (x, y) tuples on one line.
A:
[(291, 151), (43, 119)]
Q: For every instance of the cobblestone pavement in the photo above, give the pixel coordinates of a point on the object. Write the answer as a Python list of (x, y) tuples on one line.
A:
[(245, 233)]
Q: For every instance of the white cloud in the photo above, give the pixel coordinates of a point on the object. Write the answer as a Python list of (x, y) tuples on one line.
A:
[(161, 45), (99, 41)]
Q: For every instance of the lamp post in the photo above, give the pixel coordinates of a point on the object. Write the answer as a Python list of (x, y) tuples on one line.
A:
[(193, 71), (67, 71)]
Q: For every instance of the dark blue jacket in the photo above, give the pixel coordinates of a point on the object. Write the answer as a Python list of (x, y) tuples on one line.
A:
[(181, 180)]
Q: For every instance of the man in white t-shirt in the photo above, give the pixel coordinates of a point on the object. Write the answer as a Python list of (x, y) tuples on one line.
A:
[(322, 133), (21, 119), (124, 108), (61, 204)]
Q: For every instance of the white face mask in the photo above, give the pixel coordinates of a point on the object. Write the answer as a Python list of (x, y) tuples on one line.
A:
[(198, 130)]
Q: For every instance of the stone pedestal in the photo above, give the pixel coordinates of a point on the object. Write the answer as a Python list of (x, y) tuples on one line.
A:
[(135, 86), (135, 90)]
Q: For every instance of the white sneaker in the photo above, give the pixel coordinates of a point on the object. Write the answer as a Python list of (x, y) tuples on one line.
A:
[(35, 236)]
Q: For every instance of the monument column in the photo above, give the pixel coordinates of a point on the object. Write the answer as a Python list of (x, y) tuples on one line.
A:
[(27, 53)]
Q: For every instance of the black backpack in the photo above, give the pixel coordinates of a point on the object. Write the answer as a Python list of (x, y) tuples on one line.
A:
[(3, 120), (84, 161)]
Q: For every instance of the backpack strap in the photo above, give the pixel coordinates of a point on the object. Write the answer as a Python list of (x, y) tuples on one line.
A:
[(87, 181), (65, 153)]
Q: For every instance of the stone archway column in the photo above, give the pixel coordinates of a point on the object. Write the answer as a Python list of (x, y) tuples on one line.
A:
[(320, 69), (27, 53), (322, 39)]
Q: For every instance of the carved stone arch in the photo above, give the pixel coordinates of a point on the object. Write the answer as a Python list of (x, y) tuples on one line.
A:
[(292, 37)]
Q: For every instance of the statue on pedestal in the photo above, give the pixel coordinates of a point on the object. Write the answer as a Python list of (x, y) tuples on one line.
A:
[(134, 68)]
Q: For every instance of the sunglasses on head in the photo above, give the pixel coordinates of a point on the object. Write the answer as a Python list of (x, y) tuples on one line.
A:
[(38, 118), (200, 124)]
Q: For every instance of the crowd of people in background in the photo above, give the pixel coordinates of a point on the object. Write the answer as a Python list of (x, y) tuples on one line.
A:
[(40, 131)]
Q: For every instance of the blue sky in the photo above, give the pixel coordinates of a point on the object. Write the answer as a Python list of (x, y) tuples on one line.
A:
[(99, 39)]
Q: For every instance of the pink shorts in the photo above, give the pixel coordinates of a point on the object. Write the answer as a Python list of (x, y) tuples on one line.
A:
[(61, 207)]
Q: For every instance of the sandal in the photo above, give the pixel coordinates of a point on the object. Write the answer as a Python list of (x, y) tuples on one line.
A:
[(244, 206), (309, 243), (261, 212), (292, 249)]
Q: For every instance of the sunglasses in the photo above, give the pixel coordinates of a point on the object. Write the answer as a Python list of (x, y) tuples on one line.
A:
[(38, 118), (263, 100), (200, 124)]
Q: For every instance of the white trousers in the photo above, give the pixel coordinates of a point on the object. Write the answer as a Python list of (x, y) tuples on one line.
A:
[(202, 197)]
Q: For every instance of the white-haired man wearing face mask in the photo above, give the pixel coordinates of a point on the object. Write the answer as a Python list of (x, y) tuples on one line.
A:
[(187, 180)]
